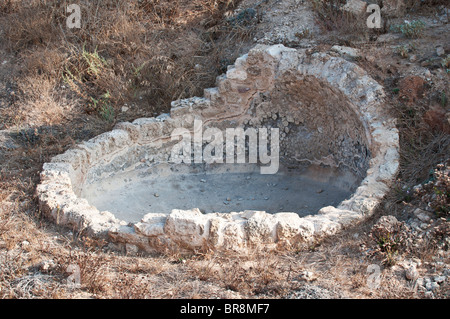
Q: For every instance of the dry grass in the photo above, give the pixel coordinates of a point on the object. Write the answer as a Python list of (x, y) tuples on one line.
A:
[(341, 26), (423, 147), (146, 54)]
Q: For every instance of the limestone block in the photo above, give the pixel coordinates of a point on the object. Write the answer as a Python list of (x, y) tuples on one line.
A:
[(187, 226)]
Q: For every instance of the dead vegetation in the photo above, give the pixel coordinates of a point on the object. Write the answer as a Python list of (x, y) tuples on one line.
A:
[(341, 26), (70, 85), (146, 53)]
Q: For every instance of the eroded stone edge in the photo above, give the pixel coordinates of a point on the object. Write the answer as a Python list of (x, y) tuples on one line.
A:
[(192, 230)]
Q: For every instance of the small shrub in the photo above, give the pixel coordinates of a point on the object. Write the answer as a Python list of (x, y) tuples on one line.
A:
[(436, 192), (304, 34), (103, 107), (402, 193), (440, 236), (94, 61), (390, 237), (404, 50), (243, 18), (446, 63), (413, 29)]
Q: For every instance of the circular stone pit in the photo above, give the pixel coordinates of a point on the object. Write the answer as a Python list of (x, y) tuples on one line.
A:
[(338, 155)]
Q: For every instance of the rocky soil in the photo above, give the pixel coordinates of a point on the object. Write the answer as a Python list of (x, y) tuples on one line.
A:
[(399, 252)]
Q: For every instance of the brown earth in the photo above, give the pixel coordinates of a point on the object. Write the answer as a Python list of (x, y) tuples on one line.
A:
[(59, 87)]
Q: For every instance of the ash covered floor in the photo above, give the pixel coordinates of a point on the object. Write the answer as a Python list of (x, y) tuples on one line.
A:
[(131, 195)]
